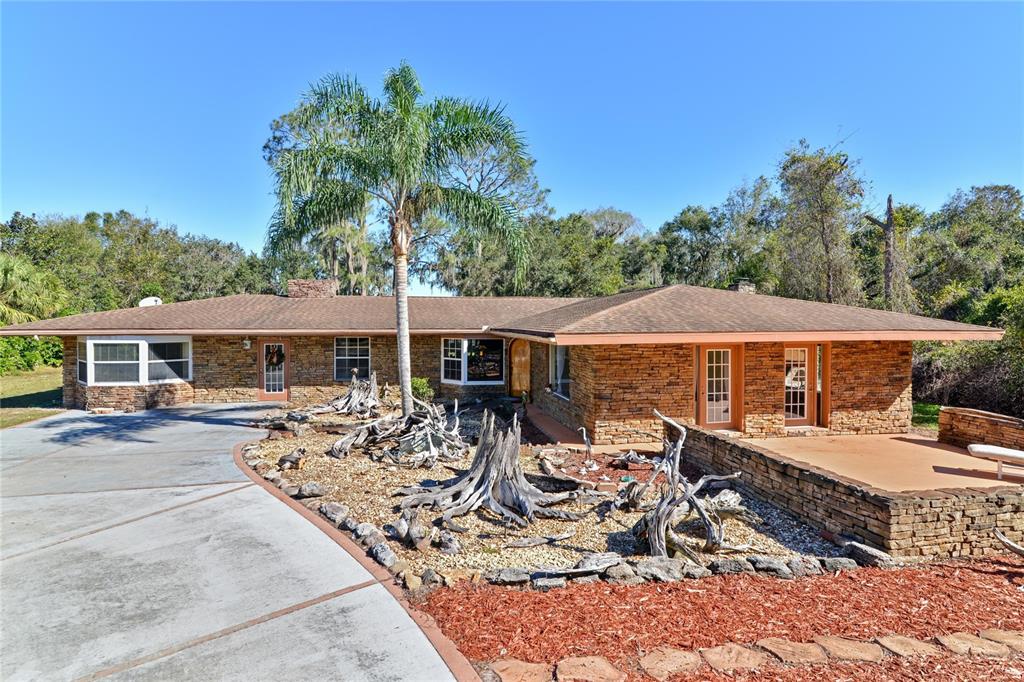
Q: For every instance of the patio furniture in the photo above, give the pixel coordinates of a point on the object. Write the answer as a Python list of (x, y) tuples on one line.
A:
[(998, 454)]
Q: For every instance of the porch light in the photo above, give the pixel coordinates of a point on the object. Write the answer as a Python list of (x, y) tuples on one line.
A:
[(246, 343)]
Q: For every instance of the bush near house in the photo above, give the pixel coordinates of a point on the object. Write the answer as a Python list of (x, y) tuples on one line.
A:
[(421, 389), (23, 354)]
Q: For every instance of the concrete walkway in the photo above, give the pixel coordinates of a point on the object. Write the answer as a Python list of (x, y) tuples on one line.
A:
[(133, 547)]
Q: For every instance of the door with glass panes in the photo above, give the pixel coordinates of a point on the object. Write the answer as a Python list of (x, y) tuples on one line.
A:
[(718, 383), (274, 369)]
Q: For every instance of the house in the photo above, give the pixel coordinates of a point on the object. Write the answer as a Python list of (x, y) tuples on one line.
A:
[(729, 360)]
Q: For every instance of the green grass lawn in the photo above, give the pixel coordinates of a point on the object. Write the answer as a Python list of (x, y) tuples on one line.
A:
[(25, 396), (926, 415)]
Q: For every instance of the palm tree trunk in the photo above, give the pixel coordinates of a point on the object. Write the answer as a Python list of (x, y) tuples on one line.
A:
[(402, 310)]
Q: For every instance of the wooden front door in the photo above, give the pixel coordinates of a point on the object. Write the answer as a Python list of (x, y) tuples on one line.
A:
[(520, 354), (719, 387), (274, 369), (801, 384)]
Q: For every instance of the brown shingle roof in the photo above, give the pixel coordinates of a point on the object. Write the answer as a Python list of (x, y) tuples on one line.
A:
[(249, 313), (682, 309)]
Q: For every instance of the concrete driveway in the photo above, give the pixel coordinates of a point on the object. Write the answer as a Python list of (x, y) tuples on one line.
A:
[(133, 547)]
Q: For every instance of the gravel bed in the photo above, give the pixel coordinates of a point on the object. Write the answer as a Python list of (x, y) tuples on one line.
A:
[(368, 487)]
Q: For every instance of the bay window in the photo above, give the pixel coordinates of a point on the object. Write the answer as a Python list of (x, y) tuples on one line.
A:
[(132, 361), (473, 361), (559, 370), (351, 353)]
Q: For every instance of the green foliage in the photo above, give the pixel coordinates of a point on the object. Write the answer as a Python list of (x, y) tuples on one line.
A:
[(421, 389), (926, 415), (27, 292), (23, 353)]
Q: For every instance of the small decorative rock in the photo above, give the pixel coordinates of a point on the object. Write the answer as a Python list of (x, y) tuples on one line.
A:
[(598, 561), (412, 581), (348, 523), (311, 489), (802, 566), (772, 566), (868, 556), (907, 646), (665, 662), (1014, 640), (586, 579), (448, 543), (290, 490), (335, 512), (966, 643), (364, 529), (512, 670), (794, 653), (588, 669), (273, 476), (509, 576), (729, 566), (619, 572), (850, 649), (545, 584), (663, 569), (729, 657), (383, 555), (692, 571), (838, 563), (431, 578)]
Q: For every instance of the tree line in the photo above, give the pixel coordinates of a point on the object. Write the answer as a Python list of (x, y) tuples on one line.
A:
[(376, 191)]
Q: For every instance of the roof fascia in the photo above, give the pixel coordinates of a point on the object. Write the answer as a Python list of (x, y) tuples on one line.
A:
[(741, 337), (237, 332)]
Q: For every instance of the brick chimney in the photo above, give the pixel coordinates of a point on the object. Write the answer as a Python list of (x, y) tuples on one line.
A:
[(312, 288), (744, 286)]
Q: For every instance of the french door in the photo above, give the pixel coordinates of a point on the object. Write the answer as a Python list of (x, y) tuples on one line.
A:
[(800, 384), (274, 370), (719, 387)]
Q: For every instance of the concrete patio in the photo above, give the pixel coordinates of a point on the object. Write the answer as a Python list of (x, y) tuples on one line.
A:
[(893, 462)]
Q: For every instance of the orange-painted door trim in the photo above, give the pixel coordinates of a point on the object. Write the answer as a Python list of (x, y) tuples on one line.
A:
[(735, 386), (261, 362), (810, 384), (826, 385)]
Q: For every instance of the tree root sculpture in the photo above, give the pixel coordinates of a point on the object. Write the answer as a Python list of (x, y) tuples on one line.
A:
[(655, 527), (494, 481), (1009, 544), (362, 400), (422, 439)]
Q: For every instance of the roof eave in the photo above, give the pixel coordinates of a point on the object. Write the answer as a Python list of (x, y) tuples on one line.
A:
[(7, 331), (606, 339)]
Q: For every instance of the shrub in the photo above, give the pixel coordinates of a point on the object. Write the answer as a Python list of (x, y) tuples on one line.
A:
[(22, 354), (421, 389)]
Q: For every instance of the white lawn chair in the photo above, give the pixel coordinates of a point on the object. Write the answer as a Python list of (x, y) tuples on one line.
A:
[(998, 454)]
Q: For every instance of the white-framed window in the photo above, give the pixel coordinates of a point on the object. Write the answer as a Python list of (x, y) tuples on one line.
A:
[(351, 353), (473, 361), (134, 361), (558, 366)]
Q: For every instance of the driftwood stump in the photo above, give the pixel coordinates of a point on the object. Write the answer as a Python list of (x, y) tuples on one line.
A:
[(494, 481), (421, 439)]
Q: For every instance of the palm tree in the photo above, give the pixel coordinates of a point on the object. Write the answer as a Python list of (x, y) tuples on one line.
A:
[(397, 150), (26, 292)]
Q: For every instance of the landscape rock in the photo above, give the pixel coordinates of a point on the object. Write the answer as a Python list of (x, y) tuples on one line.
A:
[(729, 657), (588, 669), (868, 556), (803, 566), (836, 564), (598, 561), (448, 543), (621, 571), (730, 566), (383, 554), (431, 578), (770, 565), (412, 581), (335, 512), (348, 523), (665, 662), (545, 584), (273, 476), (907, 646), (509, 576), (1014, 640), (850, 649), (290, 490), (586, 579), (512, 670), (311, 489), (662, 569), (692, 571), (794, 653), (965, 643)]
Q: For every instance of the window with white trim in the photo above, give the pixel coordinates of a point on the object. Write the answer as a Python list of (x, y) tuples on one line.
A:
[(351, 353), (559, 370), (473, 361), (134, 361)]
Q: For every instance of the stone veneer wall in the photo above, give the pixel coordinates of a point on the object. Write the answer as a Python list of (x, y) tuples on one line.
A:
[(224, 371), (935, 523), (764, 376), (871, 387), (961, 426)]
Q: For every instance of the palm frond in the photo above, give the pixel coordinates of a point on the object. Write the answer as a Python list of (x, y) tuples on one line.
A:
[(465, 128)]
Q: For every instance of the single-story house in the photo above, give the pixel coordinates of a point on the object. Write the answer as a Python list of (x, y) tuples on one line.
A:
[(729, 360)]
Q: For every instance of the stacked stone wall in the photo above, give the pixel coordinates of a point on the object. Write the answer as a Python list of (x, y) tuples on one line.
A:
[(961, 426)]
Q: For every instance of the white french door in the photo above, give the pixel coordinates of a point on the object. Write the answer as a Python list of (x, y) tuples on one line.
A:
[(718, 406), (800, 377), (273, 370)]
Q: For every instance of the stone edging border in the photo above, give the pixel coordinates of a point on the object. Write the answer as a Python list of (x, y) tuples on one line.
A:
[(459, 665)]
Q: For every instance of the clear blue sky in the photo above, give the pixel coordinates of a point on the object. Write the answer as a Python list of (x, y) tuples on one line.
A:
[(162, 108)]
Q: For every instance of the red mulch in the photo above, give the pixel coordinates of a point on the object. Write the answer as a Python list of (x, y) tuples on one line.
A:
[(622, 623)]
